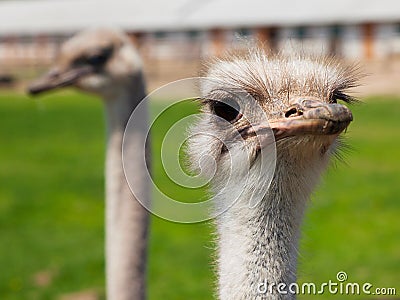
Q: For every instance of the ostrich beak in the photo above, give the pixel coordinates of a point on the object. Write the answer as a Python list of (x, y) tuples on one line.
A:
[(305, 117), (57, 79)]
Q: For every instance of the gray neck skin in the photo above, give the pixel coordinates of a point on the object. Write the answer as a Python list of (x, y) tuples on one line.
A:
[(126, 220), (259, 245)]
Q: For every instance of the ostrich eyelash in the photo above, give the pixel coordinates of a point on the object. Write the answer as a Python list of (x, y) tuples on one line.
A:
[(338, 95)]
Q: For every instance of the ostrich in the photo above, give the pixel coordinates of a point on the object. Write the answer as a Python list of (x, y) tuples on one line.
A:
[(257, 244), (104, 62)]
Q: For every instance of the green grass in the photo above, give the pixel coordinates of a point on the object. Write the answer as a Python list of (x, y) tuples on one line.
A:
[(51, 205)]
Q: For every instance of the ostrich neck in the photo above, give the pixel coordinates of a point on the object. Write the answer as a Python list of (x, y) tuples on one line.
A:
[(126, 219), (258, 246)]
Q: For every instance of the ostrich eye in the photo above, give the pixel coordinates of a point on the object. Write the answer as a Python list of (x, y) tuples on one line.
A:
[(100, 58), (228, 110), (97, 59)]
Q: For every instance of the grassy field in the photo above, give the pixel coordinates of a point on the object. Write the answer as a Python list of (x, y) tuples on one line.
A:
[(51, 206)]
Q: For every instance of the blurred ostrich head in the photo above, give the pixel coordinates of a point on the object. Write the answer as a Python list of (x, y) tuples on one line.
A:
[(104, 62), (96, 60)]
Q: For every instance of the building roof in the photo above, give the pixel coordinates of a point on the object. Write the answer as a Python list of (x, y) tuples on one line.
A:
[(66, 16)]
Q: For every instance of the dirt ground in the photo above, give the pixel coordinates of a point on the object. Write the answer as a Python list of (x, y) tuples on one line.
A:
[(381, 77)]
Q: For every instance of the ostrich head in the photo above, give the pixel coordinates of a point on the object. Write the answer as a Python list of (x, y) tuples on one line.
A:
[(257, 108), (247, 99), (96, 60)]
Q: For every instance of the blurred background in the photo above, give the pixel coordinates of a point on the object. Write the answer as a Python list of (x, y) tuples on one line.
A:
[(52, 149)]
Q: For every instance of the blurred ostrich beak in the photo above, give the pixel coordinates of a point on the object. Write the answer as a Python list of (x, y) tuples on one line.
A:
[(306, 116), (57, 79)]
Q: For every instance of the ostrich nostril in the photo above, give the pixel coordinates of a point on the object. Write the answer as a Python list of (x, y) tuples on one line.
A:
[(293, 112)]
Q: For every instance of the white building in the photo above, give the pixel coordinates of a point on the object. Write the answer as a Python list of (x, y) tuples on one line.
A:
[(30, 31)]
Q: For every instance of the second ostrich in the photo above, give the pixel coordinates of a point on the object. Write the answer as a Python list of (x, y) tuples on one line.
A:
[(104, 62), (258, 243)]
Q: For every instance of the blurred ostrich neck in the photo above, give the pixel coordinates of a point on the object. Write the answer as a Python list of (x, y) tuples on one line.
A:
[(126, 219), (258, 245), (121, 101)]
